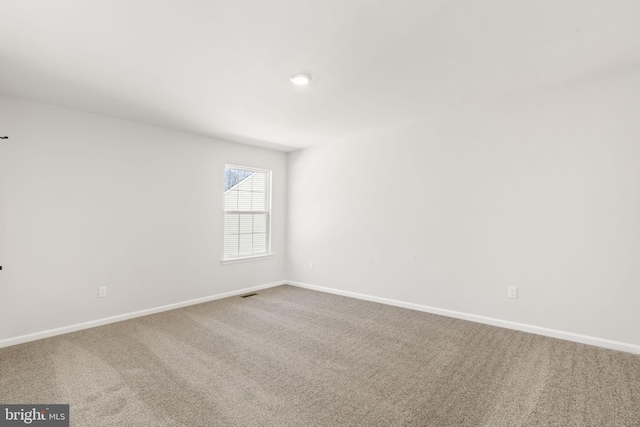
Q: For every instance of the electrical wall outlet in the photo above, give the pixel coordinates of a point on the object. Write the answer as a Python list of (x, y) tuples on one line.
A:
[(512, 292), (102, 292), (310, 266)]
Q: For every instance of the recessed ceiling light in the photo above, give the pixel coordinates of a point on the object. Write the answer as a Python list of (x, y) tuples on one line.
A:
[(301, 79)]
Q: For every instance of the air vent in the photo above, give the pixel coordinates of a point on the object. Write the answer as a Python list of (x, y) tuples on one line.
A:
[(248, 295)]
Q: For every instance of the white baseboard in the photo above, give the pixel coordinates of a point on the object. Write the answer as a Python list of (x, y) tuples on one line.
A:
[(93, 323), (554, 333), (569, 336)]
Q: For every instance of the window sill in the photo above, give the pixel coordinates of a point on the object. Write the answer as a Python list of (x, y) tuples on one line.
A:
[(246, 259)]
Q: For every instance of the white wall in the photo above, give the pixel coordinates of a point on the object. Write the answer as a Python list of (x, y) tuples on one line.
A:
[(89, 201), (542, 193)]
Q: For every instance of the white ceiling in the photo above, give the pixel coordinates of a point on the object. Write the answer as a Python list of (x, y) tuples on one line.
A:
[(220, 67)]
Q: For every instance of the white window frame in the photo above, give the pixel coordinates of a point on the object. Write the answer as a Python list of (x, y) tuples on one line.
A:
[(242, 258)]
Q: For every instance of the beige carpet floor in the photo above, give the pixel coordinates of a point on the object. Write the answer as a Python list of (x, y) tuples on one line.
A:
[(294, 357)]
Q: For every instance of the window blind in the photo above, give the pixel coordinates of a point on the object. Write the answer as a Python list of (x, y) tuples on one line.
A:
[(246, 216)]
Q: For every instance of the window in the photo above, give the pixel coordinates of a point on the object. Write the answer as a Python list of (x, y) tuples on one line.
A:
[(247, 203)]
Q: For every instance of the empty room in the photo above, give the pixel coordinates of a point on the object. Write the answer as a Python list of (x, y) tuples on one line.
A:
[(320, 213)]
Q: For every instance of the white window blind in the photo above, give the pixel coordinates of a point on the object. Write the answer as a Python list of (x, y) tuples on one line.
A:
[(246, 216)]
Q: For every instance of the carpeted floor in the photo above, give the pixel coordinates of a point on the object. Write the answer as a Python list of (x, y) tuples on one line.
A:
[(294, 357)]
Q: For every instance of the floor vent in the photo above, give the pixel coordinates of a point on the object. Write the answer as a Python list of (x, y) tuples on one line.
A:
[(248, 295)]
